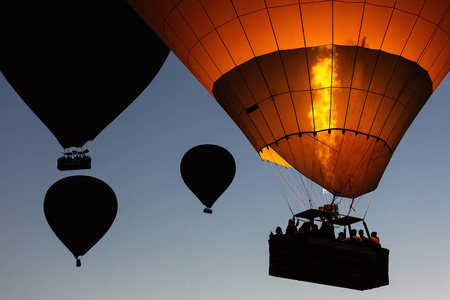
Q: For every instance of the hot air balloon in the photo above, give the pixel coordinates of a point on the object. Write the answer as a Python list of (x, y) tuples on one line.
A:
[(326, 87), (80, 210), (77, 64), (208, 171)]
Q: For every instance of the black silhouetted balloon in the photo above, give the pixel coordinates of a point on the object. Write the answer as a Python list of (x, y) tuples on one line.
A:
[(77, 63), (208, 171), (80, 210)]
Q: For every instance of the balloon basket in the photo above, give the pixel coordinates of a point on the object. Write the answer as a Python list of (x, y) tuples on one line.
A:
[(207, 210), (75, 163)]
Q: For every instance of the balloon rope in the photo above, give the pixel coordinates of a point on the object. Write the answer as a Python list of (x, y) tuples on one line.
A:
[(296, 192), (296, 195), (351, 207), (309, 192), (368, 205), (278, 185)]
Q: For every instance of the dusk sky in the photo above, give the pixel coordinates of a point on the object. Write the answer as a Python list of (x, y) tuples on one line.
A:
[(162, 246)]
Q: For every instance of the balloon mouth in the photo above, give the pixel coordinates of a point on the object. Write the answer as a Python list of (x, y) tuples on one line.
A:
[(346, 164)]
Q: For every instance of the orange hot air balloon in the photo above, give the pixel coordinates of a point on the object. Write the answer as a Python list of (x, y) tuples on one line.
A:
[(327, 87)]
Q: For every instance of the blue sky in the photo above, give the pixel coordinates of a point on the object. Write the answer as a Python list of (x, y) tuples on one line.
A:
[(161, 245)]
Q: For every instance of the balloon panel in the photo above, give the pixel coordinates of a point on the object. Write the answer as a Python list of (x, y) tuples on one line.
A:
[(80, 210), (77, 64), (208, 171)]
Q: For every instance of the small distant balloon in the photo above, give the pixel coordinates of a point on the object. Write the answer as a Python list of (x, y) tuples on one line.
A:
[(80, 210), (208, 171)]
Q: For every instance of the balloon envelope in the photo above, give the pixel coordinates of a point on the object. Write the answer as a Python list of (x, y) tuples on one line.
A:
[(208, 171), (327, 87), (80, 210), (77, 64)]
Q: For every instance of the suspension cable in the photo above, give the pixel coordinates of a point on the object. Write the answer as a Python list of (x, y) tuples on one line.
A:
[(294, 194), (351, 207), (368, 205), (278, 186)]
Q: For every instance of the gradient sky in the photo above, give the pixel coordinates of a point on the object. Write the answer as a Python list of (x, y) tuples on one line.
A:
[(161, 245)]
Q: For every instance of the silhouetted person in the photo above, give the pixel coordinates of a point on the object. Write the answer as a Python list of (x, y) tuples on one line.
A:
[(353, 238), (278, 233), (341, 236), (326, 230), (305, 228), (375, 239), (363, 238), (292, 226)]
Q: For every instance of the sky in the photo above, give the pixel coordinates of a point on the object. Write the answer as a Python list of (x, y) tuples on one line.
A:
[(162, 246)]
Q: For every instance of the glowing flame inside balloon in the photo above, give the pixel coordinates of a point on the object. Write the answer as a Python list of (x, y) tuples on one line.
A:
[(321, 81), (323, 77)]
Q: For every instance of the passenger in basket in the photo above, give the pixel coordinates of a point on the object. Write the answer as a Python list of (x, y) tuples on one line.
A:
[(375, 239), (341, 236), (354, 239), (292, 226), (326, 230), (278, 233), (363, 238), (305, 228)]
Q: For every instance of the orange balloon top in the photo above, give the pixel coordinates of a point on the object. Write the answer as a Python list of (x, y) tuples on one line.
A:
[(327, 87)]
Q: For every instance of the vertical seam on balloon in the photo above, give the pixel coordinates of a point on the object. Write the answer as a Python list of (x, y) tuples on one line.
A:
[(444, 67), (306, 58), (198, 42), (244, 111), (259, 67), (351, 81), (287, 83), (218, 34), (236, 67), (431, 37), (375, 66), (307, 65), (309, 82), (332, 64), (282, 65), (425, 49), (178, 37), (165, 22), (331, 90), (354, 66), (388, 83), (243, 78), (357, 166), (392, 74), (424, 77), (371, 158), (411, 113), (434, 34)]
